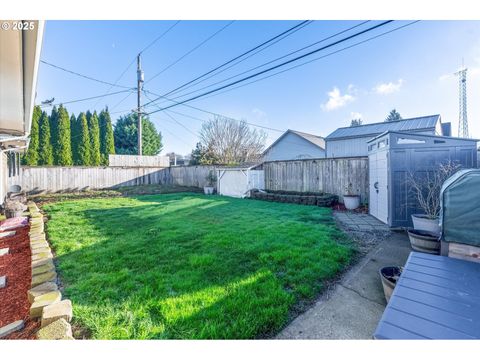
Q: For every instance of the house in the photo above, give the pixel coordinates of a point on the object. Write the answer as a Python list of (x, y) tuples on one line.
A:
[(19, 59), (352, 141), (294, 145)]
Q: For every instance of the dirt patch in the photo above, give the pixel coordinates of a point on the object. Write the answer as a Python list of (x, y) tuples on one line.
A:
[(42, 199), (16, 265)]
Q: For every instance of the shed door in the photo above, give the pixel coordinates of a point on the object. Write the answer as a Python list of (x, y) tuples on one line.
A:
[(382, 184), (372, 176), (378, 176)]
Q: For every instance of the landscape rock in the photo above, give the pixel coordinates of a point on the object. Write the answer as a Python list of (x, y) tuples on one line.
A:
[(4, 251), (7, 234), (41, 289), (38, 244), (3, 281), (43, 268), (40, 250), (40, 262), (57, 330), (10, 328), (42, 301), (42, 255), (56, 311), (38, 237), (45, 277)]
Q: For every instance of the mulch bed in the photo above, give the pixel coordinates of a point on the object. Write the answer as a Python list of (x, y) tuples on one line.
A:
[(16, 265), (363, 209)]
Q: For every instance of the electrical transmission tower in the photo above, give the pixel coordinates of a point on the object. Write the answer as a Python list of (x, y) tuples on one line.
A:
[(462, 111)]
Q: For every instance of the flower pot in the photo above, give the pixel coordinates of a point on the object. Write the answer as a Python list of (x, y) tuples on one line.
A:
[(13, 213), (351, 202), (389, 276), (208, 190), (424, 241), (424, 223)]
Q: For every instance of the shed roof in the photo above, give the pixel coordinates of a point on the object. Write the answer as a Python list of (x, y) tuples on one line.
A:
[(314, 139), (412, 124)]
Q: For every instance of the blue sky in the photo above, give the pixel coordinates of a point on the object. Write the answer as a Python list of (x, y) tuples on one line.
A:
[(410, 70)]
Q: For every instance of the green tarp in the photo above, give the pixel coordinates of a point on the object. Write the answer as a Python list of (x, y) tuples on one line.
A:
[(460, 208)]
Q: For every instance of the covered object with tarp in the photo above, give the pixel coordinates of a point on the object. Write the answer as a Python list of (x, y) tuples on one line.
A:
[(460, 208)]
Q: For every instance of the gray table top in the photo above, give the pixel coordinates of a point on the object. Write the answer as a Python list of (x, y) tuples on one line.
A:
[(436, 297)]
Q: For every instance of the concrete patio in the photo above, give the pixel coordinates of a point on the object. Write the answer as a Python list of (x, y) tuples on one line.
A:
[(353, 308)]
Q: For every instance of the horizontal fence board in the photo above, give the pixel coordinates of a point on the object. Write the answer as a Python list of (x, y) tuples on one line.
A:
[(319, 175)]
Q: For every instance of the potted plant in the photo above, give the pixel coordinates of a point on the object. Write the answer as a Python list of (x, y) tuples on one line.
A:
[(389, 276), (350, 199), (424, 241), (426, 189), (211, 179)]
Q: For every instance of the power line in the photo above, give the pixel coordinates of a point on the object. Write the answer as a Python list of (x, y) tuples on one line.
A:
[(135, 58), (191, 50), (81, 75), (85, 99), (159, 37), (282, 36), (315, 59), (277, 66), (211, 113), (274, 60)]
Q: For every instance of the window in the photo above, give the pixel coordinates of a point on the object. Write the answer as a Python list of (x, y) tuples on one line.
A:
[(403, 140)]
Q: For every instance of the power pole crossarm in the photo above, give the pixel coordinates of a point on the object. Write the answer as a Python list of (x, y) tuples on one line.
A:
[(140, 78)]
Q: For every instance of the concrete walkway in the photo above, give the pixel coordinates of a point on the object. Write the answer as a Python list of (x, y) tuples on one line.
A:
[(354, 307)]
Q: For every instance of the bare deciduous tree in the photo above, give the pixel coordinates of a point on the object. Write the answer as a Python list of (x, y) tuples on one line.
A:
[(427, 187), (232, 142)]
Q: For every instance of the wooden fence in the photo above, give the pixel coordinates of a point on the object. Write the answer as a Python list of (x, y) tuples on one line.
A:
[(322, 175), (138, 161), (75, 178)]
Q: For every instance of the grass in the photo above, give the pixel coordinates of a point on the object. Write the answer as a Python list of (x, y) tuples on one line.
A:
[(191, 266)]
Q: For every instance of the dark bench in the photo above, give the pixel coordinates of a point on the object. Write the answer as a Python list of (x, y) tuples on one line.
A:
[(436, 297)]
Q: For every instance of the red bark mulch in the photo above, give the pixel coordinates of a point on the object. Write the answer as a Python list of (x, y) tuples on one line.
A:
[(16, 265)]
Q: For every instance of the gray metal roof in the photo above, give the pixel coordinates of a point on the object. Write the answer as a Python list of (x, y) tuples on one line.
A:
[(413, 124), (314, 139)]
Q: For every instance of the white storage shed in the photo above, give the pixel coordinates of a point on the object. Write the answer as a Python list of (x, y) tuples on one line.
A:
[(238, 181)]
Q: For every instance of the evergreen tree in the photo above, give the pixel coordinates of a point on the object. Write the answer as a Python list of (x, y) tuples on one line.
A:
[(62, 150), (125, 134), (83, 147), (45, 155), (107, 142), (53, 122), (74, 137), (94, 129), (31, 156), (394, 115)]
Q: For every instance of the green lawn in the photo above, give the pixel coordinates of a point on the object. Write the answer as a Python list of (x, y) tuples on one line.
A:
[(191, 266)]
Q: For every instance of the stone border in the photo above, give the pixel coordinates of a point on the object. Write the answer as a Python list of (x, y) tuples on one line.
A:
[(325, 200), (45, 298)]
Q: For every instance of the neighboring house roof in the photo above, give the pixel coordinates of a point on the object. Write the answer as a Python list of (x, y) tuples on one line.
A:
[(412, 124), (314, 139)]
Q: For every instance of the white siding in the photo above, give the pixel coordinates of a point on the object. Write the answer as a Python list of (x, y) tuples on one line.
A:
[(293, 147)]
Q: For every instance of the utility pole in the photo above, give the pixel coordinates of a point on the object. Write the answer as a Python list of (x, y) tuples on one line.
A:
[(140, 78), (462, 94)]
